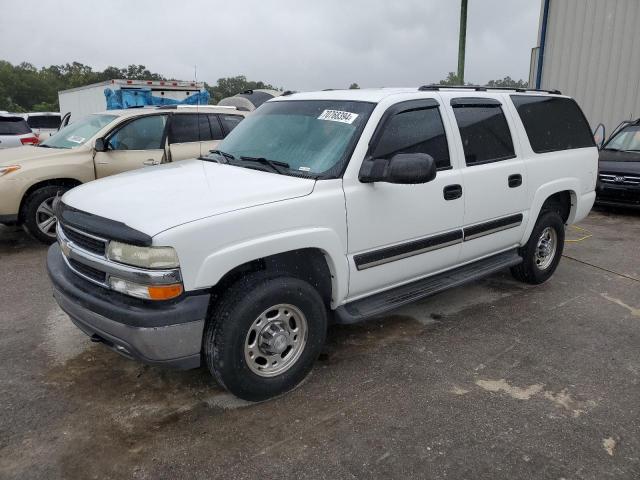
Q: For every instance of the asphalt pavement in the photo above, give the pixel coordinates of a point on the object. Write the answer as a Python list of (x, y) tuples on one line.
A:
[(491, 380)]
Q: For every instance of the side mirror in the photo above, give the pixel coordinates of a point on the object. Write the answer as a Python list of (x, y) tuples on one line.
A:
[(402, 168), (599, 136), (100, 145)]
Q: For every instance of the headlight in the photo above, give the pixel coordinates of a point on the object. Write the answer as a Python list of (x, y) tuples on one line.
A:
[(145, 257), (8, 169)]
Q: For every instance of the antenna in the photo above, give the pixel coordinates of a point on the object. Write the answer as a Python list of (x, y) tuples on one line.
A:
[(195, 80)]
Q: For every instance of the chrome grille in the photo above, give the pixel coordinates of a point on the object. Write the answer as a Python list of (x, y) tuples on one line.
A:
[(88, 271), (615, 179), (96, 268), (86, 241)]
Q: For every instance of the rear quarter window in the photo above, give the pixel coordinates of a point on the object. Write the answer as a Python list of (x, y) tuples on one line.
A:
[(553, 123), (13, 126), (44, 121), (230, 121)]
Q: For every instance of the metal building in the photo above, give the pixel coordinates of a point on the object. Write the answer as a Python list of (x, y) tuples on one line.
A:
[(590, 49)]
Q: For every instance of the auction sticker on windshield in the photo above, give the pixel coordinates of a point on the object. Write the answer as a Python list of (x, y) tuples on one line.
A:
[(75, 139), (338, 116)]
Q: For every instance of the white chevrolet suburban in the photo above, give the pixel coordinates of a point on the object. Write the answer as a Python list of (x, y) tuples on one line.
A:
[(322, 207)]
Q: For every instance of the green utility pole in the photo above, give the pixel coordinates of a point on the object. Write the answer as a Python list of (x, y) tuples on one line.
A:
[(462, 40)]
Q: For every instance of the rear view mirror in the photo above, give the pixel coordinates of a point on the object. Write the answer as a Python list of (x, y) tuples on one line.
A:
[(402, 168), (599, 136), (100, 145)]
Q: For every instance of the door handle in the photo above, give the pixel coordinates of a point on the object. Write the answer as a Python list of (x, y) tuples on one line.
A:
[(150, 162), (451, 192), (515, 180)]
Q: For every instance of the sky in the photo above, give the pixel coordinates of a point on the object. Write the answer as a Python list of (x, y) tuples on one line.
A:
[(298, 45)]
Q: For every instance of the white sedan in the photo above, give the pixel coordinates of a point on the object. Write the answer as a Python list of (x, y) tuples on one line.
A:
[(15, 132)]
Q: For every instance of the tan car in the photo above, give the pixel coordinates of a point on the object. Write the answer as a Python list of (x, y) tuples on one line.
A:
[(99, 145)]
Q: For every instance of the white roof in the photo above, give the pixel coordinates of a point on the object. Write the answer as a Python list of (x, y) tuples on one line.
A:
[(42, 114), (360, 94)]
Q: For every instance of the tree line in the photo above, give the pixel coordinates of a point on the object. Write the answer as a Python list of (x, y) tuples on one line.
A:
[(26, 88)]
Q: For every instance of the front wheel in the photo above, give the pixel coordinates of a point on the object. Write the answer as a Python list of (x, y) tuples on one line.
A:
[(264, 334), (542, 253), (38, 216)]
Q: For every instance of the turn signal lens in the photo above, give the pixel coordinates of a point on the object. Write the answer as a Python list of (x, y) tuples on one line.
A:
[(11, 168), (165, 292)]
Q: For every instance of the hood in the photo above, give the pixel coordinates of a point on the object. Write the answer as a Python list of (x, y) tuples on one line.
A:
[(154, 199), (27, 154), (619, 162)]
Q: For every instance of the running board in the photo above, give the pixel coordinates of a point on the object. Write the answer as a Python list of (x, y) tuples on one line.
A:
[(386, 301)]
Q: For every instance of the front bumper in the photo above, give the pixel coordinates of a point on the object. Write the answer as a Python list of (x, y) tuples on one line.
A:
[(618, 195), (164, 333)]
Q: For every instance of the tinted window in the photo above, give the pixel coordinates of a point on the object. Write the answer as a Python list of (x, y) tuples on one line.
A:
[(13, 126), (230, 121), (44, 121), (189, 128), (216, 129), (144, 133), (485, 133), (415, 131), (553, 123)]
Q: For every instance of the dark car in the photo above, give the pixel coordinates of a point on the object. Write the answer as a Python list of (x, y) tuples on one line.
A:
[(619, 168)]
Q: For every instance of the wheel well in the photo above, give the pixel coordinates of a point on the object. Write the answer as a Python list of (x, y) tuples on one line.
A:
[(61, 182), (561, 203), (308, 264)]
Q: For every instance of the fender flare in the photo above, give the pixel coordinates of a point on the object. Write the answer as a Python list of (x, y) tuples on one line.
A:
[(572, 185), (216, 265)]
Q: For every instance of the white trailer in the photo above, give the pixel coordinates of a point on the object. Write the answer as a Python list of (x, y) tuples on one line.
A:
[(82, 101)]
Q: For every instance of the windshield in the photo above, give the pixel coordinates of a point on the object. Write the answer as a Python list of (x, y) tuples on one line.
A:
[(79, 132), (627, 140), (314, 137)]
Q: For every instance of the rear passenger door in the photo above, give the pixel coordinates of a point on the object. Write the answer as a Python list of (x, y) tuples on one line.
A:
[(398, 233), (495, 193), (193, 134)]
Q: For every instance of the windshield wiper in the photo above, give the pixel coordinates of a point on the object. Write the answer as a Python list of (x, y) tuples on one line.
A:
[(45, 146), (632, 150), (275, 165), (225, 155)]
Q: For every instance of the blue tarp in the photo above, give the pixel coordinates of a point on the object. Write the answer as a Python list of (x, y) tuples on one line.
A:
[(141, 97)]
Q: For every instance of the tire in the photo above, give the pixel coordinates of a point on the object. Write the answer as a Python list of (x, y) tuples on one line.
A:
[(536, 269), (243, 331), (36, 210)]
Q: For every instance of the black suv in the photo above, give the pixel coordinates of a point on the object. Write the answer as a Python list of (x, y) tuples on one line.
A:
[(619, 167)]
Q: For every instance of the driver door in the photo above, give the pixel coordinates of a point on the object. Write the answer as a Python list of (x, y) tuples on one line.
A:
[(136, 144), (398, 233)]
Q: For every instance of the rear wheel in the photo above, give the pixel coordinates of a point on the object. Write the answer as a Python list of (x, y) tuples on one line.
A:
[(542, 253), (38, 215), (264, 334)]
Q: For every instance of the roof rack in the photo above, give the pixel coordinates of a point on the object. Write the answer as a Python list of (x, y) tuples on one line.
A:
[(180, 107), (480, 88)]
